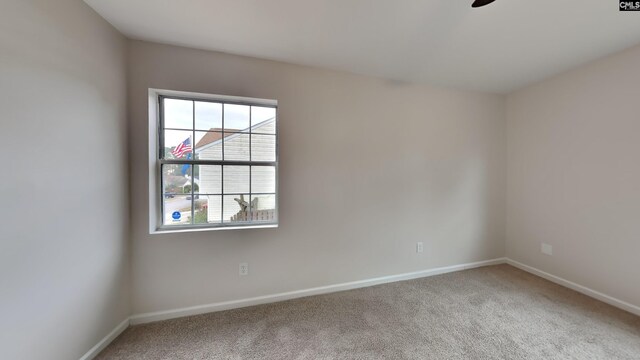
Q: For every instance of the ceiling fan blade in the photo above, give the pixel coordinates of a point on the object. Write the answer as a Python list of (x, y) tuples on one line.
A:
[(479, 3)]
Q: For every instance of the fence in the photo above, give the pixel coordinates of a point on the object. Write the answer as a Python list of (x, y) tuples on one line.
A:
[(257, 215)]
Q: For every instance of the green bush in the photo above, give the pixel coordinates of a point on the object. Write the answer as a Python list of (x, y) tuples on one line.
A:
[(200, 217), (187, 188)]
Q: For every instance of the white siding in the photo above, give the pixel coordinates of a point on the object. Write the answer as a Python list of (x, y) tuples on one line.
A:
[(263, 148), (269, 127), (236, 147), (236, 178), (263, 179), (210, 179)]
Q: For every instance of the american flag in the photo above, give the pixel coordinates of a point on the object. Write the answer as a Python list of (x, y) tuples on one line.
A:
[(182, 148)]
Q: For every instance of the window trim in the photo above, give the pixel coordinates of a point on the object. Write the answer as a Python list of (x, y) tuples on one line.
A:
[(156, 195)]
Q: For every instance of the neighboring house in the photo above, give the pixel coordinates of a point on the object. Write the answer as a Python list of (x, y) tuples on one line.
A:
[(236, 147), (186, 186), (174, 184), (179, 184)]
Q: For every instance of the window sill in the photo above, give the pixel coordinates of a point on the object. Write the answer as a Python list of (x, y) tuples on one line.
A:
[(168, 230)]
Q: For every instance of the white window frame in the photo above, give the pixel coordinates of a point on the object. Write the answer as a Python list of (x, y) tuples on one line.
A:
[(155, 176)]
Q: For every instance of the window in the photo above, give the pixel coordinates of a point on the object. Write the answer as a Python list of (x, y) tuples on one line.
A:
[(216, 162)]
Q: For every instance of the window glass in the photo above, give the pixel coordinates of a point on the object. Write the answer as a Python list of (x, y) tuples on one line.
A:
[(217, 163), (178, 114), (236, 118), (208, 116)]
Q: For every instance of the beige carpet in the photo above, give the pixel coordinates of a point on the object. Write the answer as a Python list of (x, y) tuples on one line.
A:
[(496, 312)]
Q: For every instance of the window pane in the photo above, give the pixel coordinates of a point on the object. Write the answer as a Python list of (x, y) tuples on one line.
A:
[(263, 148), (263, 120), (236, 208), (177, 144), (175, 179), (208, 179), (236, 147), (263, 208), (236, 118), (178, 114), (263, 179), (208, 116), (208, 209), (223, 139), (236, 179), (177, 210), (208, 145)]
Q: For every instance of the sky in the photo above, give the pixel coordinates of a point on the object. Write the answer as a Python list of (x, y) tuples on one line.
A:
[(179, 114)]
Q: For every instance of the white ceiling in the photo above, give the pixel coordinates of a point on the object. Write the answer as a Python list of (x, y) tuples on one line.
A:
[(498, 48)]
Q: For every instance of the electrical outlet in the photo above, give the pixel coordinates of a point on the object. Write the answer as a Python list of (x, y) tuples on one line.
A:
[(547, 249), (244, 269), (419, 247)]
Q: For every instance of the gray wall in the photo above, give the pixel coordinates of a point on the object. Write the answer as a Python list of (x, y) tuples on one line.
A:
[(367, 169), (64, 251), (574, 175)]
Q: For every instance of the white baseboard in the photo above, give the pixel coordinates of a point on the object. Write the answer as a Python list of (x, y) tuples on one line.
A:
[(234, 304), (106, 340), (577, 287)]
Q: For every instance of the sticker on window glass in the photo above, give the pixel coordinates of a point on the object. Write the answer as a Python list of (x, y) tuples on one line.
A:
[(176, 215)]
